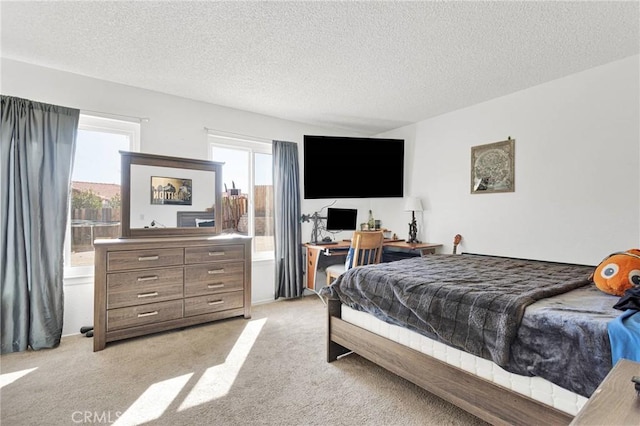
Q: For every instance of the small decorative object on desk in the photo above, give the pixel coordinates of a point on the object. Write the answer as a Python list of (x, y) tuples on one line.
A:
[(372, 222), (413, 205)]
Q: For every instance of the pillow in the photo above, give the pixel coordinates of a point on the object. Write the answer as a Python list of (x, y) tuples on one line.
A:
[(201, 223), (618, 272)]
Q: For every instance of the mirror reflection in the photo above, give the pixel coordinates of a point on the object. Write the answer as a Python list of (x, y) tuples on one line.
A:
[(167, 197)]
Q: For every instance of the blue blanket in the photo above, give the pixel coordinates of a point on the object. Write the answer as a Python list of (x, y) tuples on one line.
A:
[(624, 335)]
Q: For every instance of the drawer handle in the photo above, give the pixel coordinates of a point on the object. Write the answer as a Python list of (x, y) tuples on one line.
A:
[(216, 302), (145, 258), (215, 285), (150, 294), (216, 253), (215, 271), (148, 314), (149, 278)]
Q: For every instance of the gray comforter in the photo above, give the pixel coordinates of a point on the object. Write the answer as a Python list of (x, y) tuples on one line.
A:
[(564, 339), (477, 304)]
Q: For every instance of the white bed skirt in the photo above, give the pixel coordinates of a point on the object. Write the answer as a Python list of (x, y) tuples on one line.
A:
[(534, 387)]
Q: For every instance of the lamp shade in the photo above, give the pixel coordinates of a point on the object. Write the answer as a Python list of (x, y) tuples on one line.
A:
[(412, 204)]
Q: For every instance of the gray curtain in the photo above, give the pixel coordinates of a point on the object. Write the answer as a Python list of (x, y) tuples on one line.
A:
[(287, 210), (37, 143)]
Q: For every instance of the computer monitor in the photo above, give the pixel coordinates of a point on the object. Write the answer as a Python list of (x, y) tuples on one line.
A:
[(341, 219)]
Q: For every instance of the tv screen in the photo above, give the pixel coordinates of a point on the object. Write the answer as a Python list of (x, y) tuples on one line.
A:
[(341, 219), (348, 167)]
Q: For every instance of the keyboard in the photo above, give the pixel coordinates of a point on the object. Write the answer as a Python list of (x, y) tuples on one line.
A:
[(326, 243)]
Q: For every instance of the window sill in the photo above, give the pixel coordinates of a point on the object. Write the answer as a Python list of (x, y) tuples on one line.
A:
[(263, 257), (71, 280)]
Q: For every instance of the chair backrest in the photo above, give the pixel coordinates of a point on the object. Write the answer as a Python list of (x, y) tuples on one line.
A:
[(367, 247)]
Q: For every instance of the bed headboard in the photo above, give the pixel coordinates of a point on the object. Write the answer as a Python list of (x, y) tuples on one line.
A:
[(188, 219)]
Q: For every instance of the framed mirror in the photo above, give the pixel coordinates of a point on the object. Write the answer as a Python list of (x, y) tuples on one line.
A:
[(168, 196)]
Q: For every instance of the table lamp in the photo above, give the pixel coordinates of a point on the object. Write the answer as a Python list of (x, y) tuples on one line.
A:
[(413, 204)]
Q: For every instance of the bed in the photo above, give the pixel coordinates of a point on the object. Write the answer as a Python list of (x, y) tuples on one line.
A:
[(511, 341), (191, 219)]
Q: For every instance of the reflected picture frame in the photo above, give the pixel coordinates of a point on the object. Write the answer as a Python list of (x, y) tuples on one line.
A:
[(171, 191)]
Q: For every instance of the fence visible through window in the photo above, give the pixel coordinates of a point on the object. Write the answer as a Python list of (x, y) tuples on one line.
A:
[(93, 216), (248, 194), (94, 210)]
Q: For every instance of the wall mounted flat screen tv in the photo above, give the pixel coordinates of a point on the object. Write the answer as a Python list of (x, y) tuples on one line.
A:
[(348, 167), (341, 219)]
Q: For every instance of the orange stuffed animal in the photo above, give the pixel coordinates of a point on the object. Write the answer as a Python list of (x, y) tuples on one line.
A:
[(618, 272)]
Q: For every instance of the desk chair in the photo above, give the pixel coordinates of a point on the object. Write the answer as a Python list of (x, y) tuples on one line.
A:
[(366, 247)]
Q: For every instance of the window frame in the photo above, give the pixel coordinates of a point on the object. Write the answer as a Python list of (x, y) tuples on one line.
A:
[(253, 147), (90, 122)]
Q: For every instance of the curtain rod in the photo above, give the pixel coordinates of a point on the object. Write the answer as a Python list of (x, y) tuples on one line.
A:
[(233, 135), (109, 114)]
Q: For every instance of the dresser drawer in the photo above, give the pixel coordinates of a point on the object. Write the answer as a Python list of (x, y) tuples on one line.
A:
[(146, 286), (213, 303), (213, 278), (143, 314), (213, 253), (138, 259)]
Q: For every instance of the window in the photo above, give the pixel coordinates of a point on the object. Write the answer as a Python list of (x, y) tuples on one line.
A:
[(94, 202), (247, 196)]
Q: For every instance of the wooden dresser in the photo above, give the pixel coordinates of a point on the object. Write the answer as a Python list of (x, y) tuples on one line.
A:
[(149, 285), (615, 401)]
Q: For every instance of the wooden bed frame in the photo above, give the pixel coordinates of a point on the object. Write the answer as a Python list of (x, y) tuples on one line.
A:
[(480, 397)]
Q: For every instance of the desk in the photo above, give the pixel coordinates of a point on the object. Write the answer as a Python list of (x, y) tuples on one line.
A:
[(314, 251), (615, 402)]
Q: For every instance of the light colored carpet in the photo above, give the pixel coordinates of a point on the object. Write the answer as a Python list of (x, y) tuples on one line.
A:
[(270, 370)]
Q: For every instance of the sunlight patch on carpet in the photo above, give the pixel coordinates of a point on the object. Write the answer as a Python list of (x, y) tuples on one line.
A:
[(8, 378), (153, 402), (217, 381)]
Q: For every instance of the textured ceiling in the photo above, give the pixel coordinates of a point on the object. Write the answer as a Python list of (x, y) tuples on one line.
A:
[(362, 66)]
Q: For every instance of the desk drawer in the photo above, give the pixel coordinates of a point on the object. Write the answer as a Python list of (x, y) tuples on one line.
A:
[(213, 253), (146, 286), (143, 314), (213, 278), (213, 303), (138, 259)]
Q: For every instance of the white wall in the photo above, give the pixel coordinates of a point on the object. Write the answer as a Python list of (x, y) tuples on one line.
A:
[(176, 127), (577, 170), (577, 194)]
